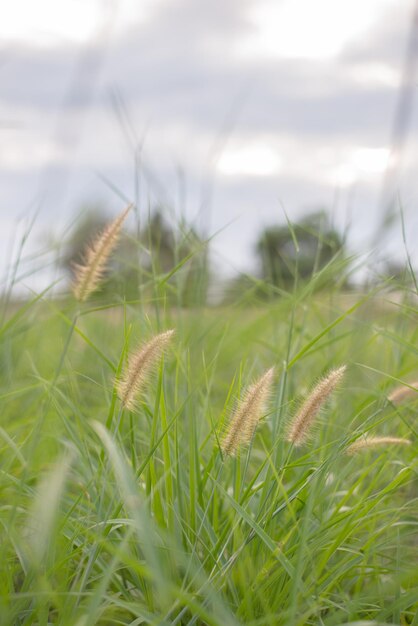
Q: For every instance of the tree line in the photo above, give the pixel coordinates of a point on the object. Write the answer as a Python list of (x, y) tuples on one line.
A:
[(286, 255)]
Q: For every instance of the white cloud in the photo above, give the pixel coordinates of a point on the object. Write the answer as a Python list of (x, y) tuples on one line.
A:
[(360, 164), (374, 73), (28, 151), (370, 160), (50, 23), (307, 29), (255, 159)]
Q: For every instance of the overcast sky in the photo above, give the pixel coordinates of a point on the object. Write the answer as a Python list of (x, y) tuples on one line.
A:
[(228, 112)]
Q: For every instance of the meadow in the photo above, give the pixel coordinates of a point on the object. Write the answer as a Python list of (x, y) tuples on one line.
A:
[(115, 512)]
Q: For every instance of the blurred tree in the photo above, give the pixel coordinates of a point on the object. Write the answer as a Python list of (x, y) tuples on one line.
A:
[(158, 244), (138, 260), (398, 273), (301, 249), (121, 277), (194, 278), (245, 289), (92, 221), (182, 252)]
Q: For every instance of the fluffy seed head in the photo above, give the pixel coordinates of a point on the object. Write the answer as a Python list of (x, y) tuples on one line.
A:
[(89, 274), (403, 392), (245, 418), (300, 426), (140, 364), (374, 442)]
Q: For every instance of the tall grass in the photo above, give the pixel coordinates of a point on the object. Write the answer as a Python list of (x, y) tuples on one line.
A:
[(130, 513)]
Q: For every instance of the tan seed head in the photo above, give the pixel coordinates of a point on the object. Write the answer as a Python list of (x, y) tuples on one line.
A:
[(403, 393), (140, 365), (368, 443), (89, 274), (300, 426), (248, 413)]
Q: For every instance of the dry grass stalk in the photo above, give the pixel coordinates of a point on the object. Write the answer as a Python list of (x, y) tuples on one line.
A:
[(89, 274), (373, 442), (140, 364), (300, 426), (247, 414), (403, 392)]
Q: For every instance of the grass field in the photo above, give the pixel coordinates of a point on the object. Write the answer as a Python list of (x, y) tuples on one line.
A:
[(114, 516)]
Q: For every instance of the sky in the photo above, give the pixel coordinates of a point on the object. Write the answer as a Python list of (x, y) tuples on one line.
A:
[(230, 113)]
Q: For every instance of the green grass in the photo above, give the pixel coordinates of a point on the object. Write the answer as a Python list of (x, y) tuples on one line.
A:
[(116, 517)]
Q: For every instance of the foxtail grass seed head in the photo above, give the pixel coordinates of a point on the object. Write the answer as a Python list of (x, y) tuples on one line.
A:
[(301, 424), (140, 365), (248, 413), (368, 443), (403, 393), (89, 275)]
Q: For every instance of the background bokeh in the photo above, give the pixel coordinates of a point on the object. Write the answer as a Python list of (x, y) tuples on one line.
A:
[(229, 114)]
